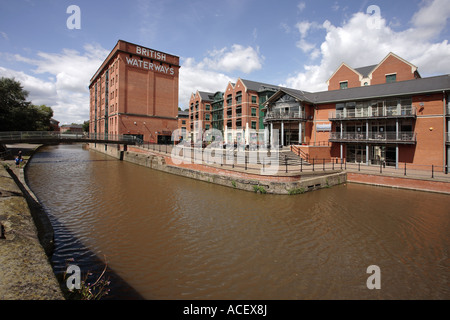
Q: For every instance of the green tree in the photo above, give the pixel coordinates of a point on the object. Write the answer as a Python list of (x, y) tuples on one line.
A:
[(18, 114), (12, 103), (42, 116), (86, 126)]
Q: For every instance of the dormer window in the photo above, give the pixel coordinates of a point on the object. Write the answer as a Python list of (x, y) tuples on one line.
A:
[(390, 78), (343, 84)]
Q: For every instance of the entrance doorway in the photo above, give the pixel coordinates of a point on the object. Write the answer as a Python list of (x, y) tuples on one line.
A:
[(356, 153), (383, 155)]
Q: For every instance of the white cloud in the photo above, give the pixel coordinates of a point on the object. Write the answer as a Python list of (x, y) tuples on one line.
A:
[(194, 76), (359, 42), (285, 27), (301, 6), (238, 58), (4, 35), (307, 47), (210, 74), (303, 27), (431, 19), (68, 74), (41, 92)]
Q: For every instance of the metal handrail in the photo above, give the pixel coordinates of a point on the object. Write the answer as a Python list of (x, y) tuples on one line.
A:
[(377, 136), (286, 115), (386, 111), (56, 135)]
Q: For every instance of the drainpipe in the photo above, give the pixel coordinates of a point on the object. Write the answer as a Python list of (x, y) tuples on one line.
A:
[(446, 149)]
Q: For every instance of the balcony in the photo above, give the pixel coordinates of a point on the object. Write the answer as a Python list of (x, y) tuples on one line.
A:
[(373, 113), (277, 115), (374, 137)]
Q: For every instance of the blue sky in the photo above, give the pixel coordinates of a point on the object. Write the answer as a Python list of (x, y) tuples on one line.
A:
[(292, 43)]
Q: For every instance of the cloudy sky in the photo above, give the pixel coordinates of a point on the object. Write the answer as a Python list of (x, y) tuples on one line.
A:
[(297, 44)]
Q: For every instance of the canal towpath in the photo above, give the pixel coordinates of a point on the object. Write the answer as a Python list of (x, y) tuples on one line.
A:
[(25, 240)]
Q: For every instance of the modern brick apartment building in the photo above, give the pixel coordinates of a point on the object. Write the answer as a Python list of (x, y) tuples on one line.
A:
[(377, 114), (385, 113), (135, 92), (200, 113), (236, 112)]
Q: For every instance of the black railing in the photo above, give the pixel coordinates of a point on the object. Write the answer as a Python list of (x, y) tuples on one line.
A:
[(405, 137), (264, 161)]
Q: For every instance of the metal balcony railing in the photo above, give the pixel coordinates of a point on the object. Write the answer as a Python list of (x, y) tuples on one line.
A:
[(405, 137), (380, 112), (277, 115)]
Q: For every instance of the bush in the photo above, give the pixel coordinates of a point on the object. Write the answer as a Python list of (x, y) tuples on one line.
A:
[(259, 189)]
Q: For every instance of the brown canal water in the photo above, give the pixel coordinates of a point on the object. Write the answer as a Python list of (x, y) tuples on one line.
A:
[(169, 237)]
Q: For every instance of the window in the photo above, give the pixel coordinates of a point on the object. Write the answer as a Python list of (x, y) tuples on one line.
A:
[(229, 100), (253, 124), (207, 126), (183, 121), (239, 97), (343, 84), (207, 107), (207, 116), (253, 112), (390, 78), (253, 99)]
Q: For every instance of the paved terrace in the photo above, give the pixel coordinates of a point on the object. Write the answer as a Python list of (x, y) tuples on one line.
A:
[(284, 165)]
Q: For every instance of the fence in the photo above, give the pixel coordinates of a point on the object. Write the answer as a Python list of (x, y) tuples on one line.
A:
[(12, 136), (286, 163)]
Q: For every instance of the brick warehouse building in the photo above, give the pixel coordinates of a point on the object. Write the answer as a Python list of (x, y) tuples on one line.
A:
[(385, 113), (135, 92)]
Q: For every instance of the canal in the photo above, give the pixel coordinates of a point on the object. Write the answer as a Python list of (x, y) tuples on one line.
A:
[(170, 237)]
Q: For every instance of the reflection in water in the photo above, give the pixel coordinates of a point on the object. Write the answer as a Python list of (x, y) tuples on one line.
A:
[(171, 237)]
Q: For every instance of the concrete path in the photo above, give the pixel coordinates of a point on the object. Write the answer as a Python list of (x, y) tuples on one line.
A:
[(25, 269)]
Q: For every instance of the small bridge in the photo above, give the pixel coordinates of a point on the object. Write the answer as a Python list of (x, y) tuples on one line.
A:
[(43, 137)]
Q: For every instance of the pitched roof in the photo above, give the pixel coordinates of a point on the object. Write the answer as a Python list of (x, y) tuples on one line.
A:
[(206, 96), (401, 88), (259, 86), (397, 89), (365, 71)]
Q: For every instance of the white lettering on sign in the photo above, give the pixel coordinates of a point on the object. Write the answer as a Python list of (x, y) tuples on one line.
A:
[(150, 66), (151, 54)]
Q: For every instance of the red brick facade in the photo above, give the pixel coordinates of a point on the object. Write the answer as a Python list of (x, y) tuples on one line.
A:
[(393, 65), (200, 113), (135, 92), (241, 111), (344, 74), (391, 68)]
